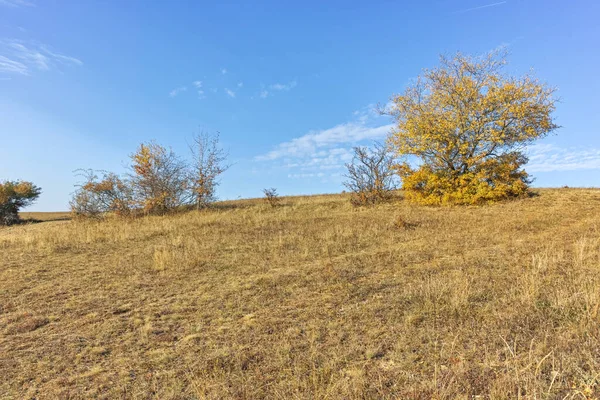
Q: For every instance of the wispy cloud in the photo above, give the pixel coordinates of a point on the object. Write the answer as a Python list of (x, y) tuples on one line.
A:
[(176, 91), (309, 144), (223, 71), (549, 158), (284, 86), (20, 57), (323, 153), (230, 93), (277, 87), (12, 67), (199, 89), (306, 175), (240, 84), (480, 7), (61, 57), (16, 3)]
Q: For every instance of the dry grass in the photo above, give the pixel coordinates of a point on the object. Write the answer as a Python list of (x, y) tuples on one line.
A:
[(312, 299), (44, 216)]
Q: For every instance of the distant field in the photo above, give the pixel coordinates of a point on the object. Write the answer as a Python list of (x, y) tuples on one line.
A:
[(45, 216), (309, 300)]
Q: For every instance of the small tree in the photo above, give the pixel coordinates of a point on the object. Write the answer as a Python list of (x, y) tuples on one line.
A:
[(99, 195), (467, 124), (271, 197), (14, 195), (371, 175), (159, 179), (209, 162)]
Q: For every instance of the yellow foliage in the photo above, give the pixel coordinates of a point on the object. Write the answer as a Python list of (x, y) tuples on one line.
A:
[(491, 181), (15, 195), (145, 159), (159, 178), (466, 122)]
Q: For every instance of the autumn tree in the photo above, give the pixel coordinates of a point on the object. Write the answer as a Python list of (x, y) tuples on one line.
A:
[(15, 195), (101, 193), (159, 179), (371, 176), (466, 123), (208, 163)]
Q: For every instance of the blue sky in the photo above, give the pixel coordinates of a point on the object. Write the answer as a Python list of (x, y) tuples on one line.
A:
[(291, 87)]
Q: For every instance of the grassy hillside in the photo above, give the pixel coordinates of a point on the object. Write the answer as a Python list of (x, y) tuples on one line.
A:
[(312, 299)]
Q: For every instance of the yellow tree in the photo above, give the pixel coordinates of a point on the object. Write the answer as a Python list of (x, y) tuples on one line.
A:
[(15, 195), (467, 123), (159, 179)]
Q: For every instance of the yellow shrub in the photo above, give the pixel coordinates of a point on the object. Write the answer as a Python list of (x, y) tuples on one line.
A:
[(466, 122), (494, 180)]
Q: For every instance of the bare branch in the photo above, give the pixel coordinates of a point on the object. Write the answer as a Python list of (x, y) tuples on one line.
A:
[(209, 162), (371, 177)]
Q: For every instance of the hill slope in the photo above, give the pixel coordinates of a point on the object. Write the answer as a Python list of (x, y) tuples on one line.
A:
[(312, 299)]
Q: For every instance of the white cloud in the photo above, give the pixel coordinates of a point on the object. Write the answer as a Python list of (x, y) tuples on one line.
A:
[(324, 160), (62, 58), (323, 154), (284, 86), (277, 87), (176, 91), (16, 3), (21, 57), (302, 176), (347, 133), (240, 84), (11, 66), (223, 71), (198, 85), (230, 93), (373, 111), (30, 56), (549, 158)]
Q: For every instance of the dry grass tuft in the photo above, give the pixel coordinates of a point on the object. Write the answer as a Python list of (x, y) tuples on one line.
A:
[(401, 222), (312, 299)]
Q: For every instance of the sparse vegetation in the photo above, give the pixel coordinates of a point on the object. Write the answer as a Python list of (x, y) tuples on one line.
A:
[(159, 182), (371, 175), (209, 162), (102, 193), (466, 122), (14, 196), (311, 300), (317, 300), (271, 197)]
